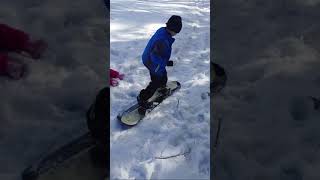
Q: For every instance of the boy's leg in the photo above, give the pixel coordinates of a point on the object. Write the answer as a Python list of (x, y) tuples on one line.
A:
[(163, 81), (156, 82), (145, 94)]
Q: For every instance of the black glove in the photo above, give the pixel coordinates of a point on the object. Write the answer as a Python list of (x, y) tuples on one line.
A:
[(170, 63)]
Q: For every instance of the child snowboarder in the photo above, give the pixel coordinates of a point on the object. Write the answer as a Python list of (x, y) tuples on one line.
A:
[(13, 40), (156, 57)]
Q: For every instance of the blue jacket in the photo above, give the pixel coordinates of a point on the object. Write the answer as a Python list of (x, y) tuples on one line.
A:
[(157, 52)]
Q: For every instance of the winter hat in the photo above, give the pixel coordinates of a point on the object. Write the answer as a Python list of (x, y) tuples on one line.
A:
[(174, 23)]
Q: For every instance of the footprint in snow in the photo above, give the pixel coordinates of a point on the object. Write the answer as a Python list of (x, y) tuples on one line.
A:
[(176, 50), (176, 140), (204, 165), (204, 96), (201, 118), (155, 173), (114, 52), (133, 94), (138, 172)]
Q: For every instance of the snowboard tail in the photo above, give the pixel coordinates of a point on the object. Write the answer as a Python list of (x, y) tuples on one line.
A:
[(131, 116)]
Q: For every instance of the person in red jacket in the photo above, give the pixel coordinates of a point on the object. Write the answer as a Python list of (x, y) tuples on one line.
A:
[(14, 40), (113, 76)]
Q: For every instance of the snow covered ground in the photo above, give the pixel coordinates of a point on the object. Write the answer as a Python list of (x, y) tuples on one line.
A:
[(270, 50), (180, 125), (47, 108)]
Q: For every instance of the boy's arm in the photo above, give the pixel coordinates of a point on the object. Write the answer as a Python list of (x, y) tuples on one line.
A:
[(159, 48), (158, 53)]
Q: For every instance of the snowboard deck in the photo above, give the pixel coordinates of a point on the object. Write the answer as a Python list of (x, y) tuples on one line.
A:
[(132, 117), (72, 161)]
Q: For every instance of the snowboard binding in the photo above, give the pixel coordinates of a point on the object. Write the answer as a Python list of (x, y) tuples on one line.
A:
[(139, 110), (164, 91)]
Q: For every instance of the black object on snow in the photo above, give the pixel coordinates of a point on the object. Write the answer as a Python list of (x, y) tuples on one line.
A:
[(316, 103), (98, 116), (218, 78)]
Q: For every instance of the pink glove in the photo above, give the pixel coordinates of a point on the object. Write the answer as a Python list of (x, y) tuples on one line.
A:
[(121, 76), (113, 82), (116, 74)]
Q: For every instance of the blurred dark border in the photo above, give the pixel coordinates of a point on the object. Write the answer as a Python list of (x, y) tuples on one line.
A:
[(242, 30), (107, 5)]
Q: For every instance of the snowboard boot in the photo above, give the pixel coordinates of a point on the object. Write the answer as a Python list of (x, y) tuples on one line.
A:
[(143, 106), (142, 111)]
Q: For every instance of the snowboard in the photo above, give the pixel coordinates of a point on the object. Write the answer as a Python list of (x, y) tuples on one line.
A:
[(131, 116), (71, 161)]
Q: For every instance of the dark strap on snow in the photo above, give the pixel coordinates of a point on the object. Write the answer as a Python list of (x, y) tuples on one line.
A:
[(98, 116)]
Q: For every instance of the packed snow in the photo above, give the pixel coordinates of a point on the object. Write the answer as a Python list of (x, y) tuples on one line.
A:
[(172, 141), (47, 108), (270, 126)]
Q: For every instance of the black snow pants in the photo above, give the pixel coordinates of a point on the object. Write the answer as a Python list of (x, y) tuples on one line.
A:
[(156, 82)]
